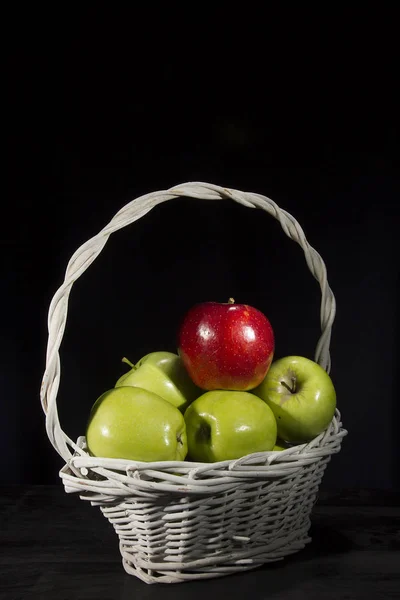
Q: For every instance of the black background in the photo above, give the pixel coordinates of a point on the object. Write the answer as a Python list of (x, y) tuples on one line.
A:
[(104, 108)]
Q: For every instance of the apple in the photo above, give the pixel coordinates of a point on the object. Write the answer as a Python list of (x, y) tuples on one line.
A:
[(280, 445), (226, 345), (302, 397), (224, 425), (135, 424), (173, 366), (164, 374)]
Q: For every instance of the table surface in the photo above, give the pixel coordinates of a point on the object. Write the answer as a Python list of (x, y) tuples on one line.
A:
[(55, 546)]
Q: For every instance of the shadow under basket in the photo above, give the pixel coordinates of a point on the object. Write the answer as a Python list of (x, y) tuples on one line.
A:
[(179, 521)]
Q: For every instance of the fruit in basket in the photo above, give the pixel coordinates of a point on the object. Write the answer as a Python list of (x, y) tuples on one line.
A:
[(135, 424), (226, 345), (278, 448), (301, 395), (224, 425), (164, 374), (280, 445)]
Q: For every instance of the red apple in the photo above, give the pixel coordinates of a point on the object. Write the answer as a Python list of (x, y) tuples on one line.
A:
[(226, 346)]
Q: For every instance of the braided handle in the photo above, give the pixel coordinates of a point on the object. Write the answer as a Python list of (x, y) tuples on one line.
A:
[(130, 213)]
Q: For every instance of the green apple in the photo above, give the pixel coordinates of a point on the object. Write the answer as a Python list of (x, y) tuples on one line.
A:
[(280, 445), (224, 425), (173, 366), (302, 397), (135, 424), (164, 374)]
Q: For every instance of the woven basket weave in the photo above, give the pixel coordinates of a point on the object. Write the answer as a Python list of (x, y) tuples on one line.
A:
[(179, 521)]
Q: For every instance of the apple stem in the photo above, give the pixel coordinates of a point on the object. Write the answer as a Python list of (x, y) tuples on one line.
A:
[(292, 389), (128, 362), (231, 301)]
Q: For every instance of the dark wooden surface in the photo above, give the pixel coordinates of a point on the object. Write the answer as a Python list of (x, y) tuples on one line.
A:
[(54, 545)]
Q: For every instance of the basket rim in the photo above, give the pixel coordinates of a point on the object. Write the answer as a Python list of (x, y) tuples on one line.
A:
[(107, 480), (81, 455)]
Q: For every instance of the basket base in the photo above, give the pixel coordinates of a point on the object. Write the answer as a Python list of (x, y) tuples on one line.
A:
[(209, 568)]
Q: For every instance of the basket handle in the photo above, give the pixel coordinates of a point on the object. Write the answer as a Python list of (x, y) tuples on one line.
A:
[(130, 213)]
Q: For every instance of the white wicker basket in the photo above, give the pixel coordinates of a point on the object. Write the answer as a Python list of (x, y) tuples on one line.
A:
[(179, 521)]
